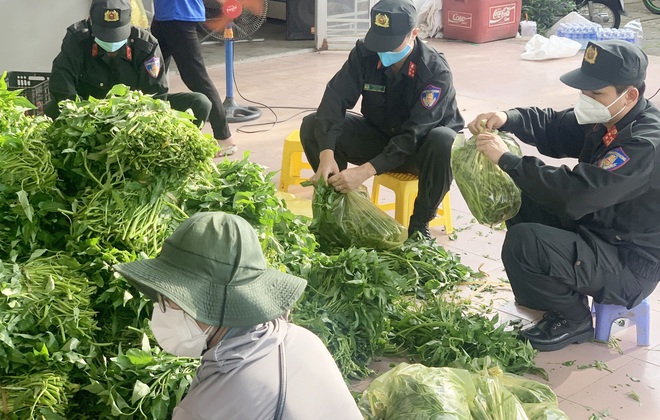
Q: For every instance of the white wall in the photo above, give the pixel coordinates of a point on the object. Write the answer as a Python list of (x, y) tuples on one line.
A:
[(31, 31)]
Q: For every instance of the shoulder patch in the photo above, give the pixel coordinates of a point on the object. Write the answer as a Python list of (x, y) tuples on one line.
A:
[(614, 159), (152, 66), (430, 96)]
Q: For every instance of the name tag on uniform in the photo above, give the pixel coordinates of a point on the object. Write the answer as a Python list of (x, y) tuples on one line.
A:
[(374, 88)]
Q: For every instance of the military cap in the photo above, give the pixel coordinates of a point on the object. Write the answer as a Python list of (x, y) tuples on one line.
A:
[(391, 21), (111, 19), (608, 63)]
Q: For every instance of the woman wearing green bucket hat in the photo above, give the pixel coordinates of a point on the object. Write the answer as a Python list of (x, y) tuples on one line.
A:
[(214, 297)]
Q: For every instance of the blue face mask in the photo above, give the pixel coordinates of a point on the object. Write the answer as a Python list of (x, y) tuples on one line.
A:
[(391, 57), (110, 46)]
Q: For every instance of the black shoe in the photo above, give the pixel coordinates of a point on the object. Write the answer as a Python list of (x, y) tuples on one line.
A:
[(422, 229), (555, 332)]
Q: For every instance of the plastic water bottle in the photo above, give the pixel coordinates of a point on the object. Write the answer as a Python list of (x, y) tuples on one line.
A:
[(570, 31), (580, 35), (561, 31)]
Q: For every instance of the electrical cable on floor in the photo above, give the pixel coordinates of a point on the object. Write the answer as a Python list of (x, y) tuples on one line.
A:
[(272, 124)]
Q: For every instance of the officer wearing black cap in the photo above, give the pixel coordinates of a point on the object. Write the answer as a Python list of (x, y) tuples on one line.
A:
[(105, 50), (592, 230), (409, 113)]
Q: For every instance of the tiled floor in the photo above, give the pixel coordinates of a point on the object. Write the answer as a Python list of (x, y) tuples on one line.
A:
[(487, 77)]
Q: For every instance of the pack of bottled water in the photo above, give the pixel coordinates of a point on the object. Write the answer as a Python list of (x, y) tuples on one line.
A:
[(585, 32)]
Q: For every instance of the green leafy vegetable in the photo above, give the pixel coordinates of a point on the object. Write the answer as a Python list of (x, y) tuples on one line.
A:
[(491, 195), (350, 219)]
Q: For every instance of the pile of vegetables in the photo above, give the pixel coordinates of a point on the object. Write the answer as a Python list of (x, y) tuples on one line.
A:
[(491, 195), (106, 183)]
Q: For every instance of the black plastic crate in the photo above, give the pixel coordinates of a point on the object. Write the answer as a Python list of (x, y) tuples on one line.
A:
[(34, 86)]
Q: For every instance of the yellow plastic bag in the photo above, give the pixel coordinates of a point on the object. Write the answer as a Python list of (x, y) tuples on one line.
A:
[(139, 15)]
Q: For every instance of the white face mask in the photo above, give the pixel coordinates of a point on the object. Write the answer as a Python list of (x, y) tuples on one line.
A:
[(177, 332), (590, 111)]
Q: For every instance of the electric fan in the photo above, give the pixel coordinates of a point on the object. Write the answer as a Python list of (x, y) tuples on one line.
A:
[(223, 17)]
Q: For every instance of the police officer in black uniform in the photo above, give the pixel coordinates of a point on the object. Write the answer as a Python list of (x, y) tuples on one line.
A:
[(409, 113), (105, 50), (594, 229)]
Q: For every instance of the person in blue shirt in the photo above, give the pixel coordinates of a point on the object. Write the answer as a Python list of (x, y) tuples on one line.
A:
[(175, 27)]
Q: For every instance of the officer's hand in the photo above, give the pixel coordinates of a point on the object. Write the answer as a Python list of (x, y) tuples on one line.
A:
[(493, 120), (350, 179), (492, 146), (327, 167)]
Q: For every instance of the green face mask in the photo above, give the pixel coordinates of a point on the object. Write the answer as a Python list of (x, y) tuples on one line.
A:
[(110, 46)]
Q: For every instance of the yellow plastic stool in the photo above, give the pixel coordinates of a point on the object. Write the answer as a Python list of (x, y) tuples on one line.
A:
[(292, 163), (405, 191)]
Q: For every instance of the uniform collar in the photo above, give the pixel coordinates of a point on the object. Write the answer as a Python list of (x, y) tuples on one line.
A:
[(125, 52)]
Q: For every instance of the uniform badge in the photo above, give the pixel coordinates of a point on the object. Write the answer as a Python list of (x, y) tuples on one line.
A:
[(382, 20), (590, 55), (430, 96), (374, 88), (153, 66), (614, 159), (111, 15)]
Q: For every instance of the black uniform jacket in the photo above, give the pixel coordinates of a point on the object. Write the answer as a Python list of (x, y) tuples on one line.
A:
[(405, 106), (613, 191), (83, 68)]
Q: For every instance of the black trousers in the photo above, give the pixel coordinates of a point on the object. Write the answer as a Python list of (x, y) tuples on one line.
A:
[(360, 142), (553, 265), (178, 39)]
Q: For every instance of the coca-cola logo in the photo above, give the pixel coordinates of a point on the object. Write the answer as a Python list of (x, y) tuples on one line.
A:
[(462, 19), (502, 15)]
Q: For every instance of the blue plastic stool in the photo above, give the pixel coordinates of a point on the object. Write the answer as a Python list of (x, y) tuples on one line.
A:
[(640, 315)]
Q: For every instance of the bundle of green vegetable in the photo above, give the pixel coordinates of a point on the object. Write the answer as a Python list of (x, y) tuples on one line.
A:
[(439, 333), (43, 395), (139, 383), (351, 219), (128, 135), (12, 109), (29, 201), (491, 195), (47, 320)]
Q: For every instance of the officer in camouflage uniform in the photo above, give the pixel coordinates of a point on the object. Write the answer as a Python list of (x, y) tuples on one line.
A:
[(409, 113), (105, 50), (594, 229)]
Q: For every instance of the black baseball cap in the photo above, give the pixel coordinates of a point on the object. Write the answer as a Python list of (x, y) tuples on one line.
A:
[(391, 21), (608, 63), (111, 19)]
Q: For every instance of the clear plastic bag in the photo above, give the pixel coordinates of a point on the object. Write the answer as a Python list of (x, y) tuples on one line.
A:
[(491, 195), (351, 219), (416, 392)]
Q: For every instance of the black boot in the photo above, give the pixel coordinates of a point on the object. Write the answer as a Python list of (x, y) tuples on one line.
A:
[(418, 226), (555, 332)]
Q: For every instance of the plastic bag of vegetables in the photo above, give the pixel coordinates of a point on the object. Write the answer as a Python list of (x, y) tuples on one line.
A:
[(416, 392), (491, 195), (351, 219)]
